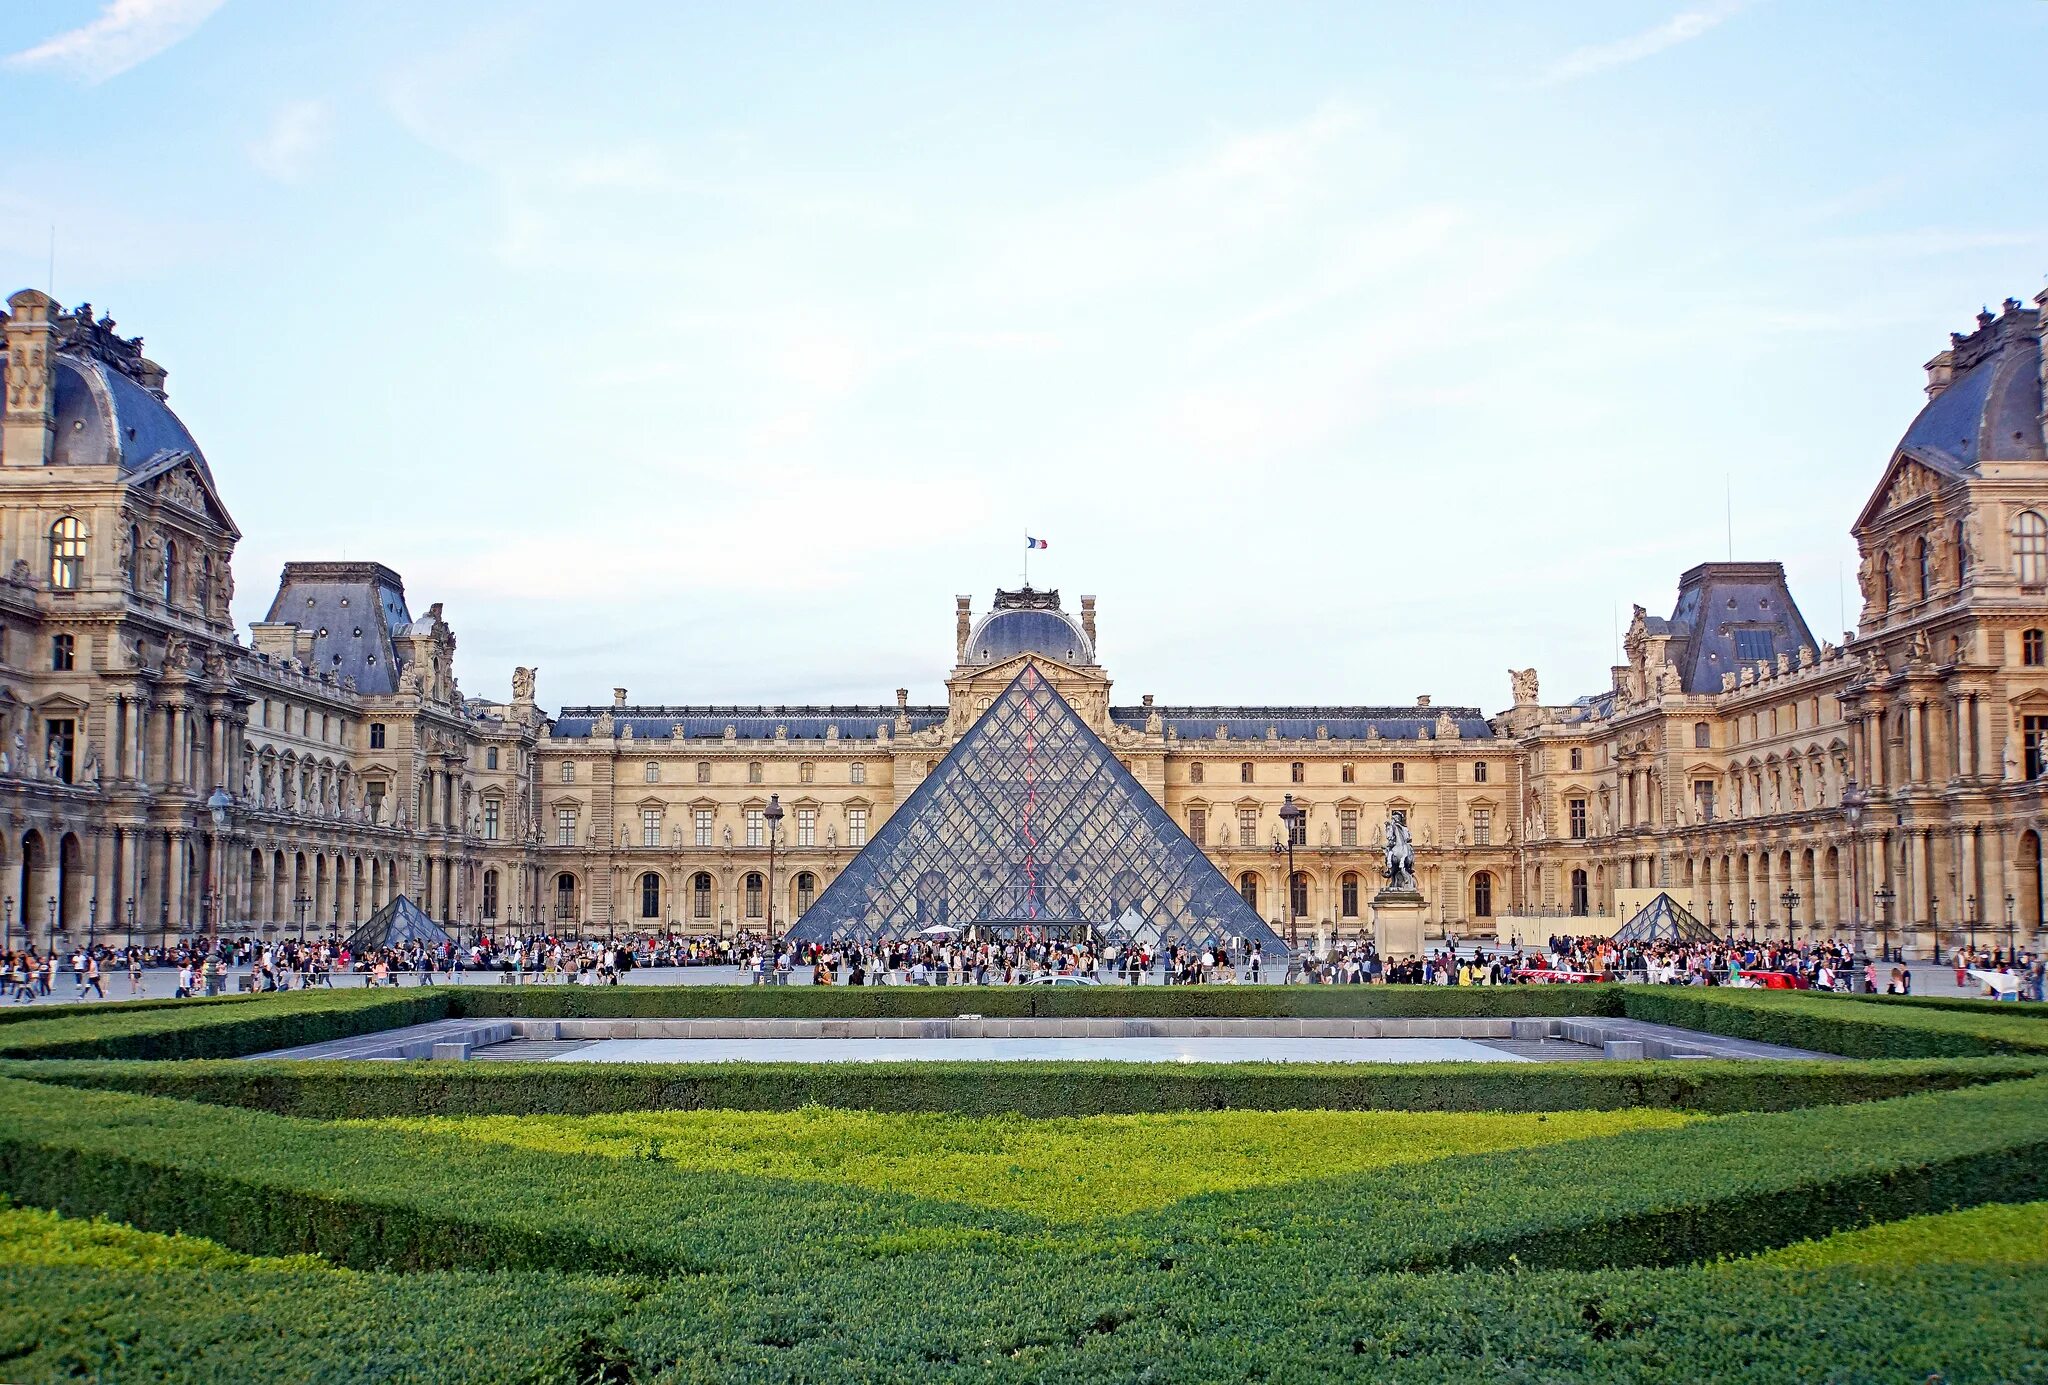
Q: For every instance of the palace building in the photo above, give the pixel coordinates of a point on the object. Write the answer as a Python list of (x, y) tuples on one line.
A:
[(163, 777)]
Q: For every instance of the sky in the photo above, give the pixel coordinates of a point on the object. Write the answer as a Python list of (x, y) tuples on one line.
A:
[(1345, 352)]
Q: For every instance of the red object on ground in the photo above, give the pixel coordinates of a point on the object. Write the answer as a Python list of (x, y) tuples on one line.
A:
[(1777, 980)]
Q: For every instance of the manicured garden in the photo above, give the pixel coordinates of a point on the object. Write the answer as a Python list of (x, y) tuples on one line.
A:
[(179, 1213)]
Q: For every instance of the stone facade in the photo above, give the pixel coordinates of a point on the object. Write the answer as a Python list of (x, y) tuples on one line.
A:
[(160, 778)]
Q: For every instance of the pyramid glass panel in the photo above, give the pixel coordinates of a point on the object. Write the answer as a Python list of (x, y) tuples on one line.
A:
[(396, 924), (1031, 823), (1664, 920)]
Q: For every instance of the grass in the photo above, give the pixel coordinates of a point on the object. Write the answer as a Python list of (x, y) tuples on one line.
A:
[(1994, 1234), (1062, 1170)]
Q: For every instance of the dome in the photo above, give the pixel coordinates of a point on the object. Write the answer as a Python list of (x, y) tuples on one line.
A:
[(1028, 622), (104, 417), (1987, 400)]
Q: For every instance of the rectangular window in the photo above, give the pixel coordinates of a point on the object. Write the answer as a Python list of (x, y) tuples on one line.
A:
[(1703, 799), (704, 826), (1349, 896), (373, 794), (1198, 826), (568, 772), (650, 827), (565, 827), (700, 897), (753, 771), (1349, 774), (490, 894), (1578, 758), (1400, 773), (858, 773), (757, 828), (1247, 827), (1244, 772), (1482, 827), (490, 819), (653, 772), (491, 758), (2036, 729), (1702, 736), (1297, 773), (807, 827), (856, 826), (703, 771), (62, 731), (1347, 827), (61, 655), (1479, 773), (1297, 830), (1195, 772), (1577, 809), (376, 732), (1752, 645)]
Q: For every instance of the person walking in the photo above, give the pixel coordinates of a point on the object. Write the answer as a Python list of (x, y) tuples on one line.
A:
[(92, 978)]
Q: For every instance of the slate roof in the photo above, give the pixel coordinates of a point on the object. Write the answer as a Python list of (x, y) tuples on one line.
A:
[(103, 416), (1302, 723), (1991, 407), (1724, 612), (1004, 634), (749, 723), (353, 609)]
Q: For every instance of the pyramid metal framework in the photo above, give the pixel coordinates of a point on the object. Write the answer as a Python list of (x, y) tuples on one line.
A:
[(1031, 823), (397, 923), (1664, 920)]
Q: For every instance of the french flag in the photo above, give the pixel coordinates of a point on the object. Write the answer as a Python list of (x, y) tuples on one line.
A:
[(1030, 542)]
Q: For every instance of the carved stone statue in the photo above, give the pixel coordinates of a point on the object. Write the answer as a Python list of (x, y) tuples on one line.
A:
[(1524, 681), (1400, 854), (89, 768), (26, 767), (522, 684)]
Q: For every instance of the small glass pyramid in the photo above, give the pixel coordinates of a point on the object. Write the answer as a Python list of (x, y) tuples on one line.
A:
[(1031, 823), (396, 924), (1664, 920)]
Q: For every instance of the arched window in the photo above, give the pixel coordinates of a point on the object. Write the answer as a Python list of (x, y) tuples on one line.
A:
[(806, 891), (1482, 895), (753, 891), (490, 894), (653, 772), (1248, 886), (1297, 893), (700, 895), (2030, 549), (2032, 652), (650, 895), (1580, 897), (1347, 895), (67, 554)]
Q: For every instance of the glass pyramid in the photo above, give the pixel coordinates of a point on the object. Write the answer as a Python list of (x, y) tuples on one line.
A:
[(1031, 823), (396, 924), (1664, 920)]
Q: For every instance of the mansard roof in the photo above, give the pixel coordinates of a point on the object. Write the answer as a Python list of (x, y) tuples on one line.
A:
[(1304, 723), (1029, 621), (1990, 407), (1728, 616), (353, 610), (749, 723)]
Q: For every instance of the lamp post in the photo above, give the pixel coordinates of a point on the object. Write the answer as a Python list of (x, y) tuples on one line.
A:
[(7, 928), (1790, 899), (773, 816), (1752, 918), (131, 920), (1934, 927), (1883, 899), (53, 922), (217, 805), (1852, 808), (1291, 814), (1970, 919), (1730, 902), (2010, 941), (302, 902)]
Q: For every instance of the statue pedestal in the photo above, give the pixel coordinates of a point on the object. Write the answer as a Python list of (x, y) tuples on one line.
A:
[(1397, 918)]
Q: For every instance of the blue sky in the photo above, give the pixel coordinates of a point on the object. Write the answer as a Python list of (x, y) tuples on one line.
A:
[(1345, 352)]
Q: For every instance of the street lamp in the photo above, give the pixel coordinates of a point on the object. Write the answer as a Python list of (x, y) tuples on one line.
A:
[(773, 815), (1883, 899), (53, 923), (1291, 814), (302, 902), (1752, 919), (217, 805), (131, 919), (7, 928), (1970, 919), (2010, 941), (1790, 899), (92, 922)]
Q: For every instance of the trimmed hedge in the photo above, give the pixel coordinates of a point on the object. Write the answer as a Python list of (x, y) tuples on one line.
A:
[(1996, 1233), (345, 1090), (373, 1197), (1836, 1024), (208, 1029)]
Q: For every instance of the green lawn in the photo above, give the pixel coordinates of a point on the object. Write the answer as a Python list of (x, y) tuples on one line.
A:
[(1063, 1170)]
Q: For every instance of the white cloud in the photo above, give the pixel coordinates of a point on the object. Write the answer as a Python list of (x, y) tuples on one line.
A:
[(1599, 57), (123, 35), (296, 133)]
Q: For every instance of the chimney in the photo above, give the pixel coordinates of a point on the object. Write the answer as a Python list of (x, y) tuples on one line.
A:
[(28, 429), (1939, 372), (618, 697), (963, 624), (1088, 618)]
